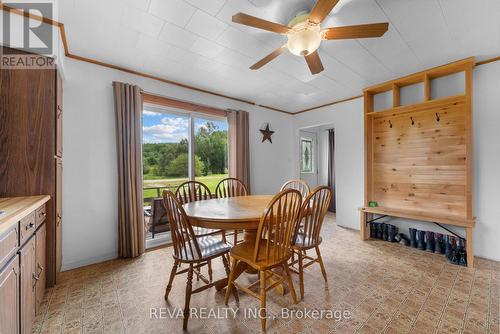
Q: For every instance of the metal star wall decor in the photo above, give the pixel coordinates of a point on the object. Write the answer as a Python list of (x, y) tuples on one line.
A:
[(266, 134)]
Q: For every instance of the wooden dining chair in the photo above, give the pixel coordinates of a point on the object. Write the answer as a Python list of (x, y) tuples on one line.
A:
[(231, 187), (307, 233), (191, 191), (191, 250), (270, 250), (299, 185)]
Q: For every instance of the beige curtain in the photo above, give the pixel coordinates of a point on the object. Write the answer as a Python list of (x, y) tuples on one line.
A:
[(128, 110), (239, 146)]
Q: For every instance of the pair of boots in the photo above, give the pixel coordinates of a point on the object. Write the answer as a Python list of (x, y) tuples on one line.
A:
[(455, 251), (417, 239), (382, 231)]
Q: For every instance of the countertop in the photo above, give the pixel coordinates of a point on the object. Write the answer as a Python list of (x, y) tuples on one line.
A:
[(16, 208)]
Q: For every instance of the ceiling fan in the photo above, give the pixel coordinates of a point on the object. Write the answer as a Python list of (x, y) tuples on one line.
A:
[(305, 34)]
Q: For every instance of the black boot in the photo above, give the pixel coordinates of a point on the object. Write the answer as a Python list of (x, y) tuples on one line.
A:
[(462, 253), (393, 231), (421, 240), (438, 243), (379, 231), (385, 232), (413, 237), (373, 232), (429, 241), (454, 256), (447, 246)]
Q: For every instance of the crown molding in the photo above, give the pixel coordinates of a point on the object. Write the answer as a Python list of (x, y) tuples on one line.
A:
[(68, 54)]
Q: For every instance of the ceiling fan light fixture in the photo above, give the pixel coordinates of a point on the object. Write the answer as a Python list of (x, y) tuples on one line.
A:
[(304, 39)]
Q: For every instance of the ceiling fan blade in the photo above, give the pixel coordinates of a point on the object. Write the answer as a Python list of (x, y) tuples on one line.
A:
[(321, 10), (314, 62), (268, 58), (256, 22), (357, 31)]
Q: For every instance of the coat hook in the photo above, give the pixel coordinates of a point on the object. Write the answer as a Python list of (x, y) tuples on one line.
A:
[(390, 124), (437, 117), (412, 121)]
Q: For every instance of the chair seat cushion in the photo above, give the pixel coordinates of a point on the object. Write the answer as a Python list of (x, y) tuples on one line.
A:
[(244, 252), (305, 241), (202, 232), (210, 247)]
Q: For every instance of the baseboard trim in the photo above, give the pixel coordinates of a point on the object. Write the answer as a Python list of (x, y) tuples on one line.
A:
[(86, 262)]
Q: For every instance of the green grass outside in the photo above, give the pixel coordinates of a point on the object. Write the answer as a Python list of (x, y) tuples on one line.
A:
[(210, 181)]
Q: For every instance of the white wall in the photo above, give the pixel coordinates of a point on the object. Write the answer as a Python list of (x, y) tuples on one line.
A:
[(347, 120), (90, 168), (348, 123)]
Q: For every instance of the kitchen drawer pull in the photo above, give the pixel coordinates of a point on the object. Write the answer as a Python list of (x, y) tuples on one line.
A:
[(36, 277), (40, 267), (30, 225), (41, 214)]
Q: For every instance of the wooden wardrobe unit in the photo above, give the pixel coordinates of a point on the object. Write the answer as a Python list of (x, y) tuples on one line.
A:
[(418, 157), (31, 147)]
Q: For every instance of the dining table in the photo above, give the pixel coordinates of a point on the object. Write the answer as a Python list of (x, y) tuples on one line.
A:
[(229, 214)]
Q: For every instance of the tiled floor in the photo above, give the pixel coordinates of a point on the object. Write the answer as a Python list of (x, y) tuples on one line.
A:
[(384, 287)]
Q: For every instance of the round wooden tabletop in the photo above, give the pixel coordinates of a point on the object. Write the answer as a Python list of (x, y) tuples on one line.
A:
[(231, 213)]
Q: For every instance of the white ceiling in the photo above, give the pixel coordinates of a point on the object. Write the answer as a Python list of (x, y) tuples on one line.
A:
[(195, 42)]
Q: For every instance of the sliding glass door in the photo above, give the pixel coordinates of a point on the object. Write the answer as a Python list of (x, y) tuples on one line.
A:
[(178, 146)]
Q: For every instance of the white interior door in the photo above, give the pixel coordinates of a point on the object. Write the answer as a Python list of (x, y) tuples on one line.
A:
[(308, 160)]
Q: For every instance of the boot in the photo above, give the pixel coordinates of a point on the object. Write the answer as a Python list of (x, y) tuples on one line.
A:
[(429, 241), (421, 240), (373, 232), (453, 253), (393, 231), (462, 253), (438, 243), (385, 232), (447, 246), (413, 237), (378, 228)]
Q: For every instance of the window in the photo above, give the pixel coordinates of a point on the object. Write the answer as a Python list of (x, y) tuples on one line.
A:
[(306, 155)]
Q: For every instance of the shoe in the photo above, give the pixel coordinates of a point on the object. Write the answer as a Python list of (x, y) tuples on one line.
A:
[(379, 231), (413, 237), (402, 239), (429, 241), (438, 243), (421, 240)]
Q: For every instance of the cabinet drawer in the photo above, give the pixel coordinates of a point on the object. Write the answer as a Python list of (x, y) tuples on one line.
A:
[(8, 245), (40, 215), (27, 227)]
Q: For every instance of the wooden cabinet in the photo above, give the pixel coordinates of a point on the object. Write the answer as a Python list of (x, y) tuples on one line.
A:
[(40, 276), (27, 256), (22, 274), (9, 297), (31, 147)]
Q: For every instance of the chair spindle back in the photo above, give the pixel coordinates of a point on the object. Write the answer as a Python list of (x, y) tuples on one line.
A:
[(231, 187), (299, 185), (183, 237), (277, 226), (191, 191), (313, 213)]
